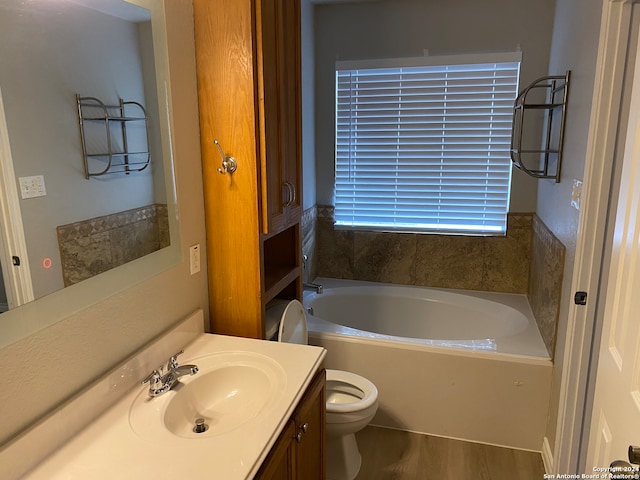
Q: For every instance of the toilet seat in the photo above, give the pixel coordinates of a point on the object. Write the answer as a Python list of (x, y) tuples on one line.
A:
[(352, 385)]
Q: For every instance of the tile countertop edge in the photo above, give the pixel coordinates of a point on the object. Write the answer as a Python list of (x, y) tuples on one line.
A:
[(84, 454), (43, 438)]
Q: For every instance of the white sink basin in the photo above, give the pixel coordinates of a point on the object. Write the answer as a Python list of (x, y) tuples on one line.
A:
[(230, 389)]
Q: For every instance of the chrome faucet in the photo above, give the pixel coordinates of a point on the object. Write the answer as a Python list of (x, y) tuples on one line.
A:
[(309, 285), (161, 382), (312, 286)]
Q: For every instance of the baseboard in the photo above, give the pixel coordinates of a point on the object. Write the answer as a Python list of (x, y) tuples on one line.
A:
[(547, 455), (373, 424)]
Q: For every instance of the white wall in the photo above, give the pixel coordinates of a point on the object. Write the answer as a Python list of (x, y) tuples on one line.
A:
[(41, 371), (574, 47), (404, 28), (49, 53)]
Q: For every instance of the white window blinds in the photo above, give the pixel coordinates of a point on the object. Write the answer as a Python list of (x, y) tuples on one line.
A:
[(425, 148)]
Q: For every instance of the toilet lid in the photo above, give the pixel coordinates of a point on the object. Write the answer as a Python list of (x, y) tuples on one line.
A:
[(293, 324), (273, 315)]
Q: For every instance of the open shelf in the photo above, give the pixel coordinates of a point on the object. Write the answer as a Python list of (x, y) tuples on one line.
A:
[(107, 134), (281, 263), (547, 94)]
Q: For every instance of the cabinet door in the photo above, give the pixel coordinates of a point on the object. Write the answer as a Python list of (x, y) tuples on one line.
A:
[(278, 38), (226, 96), (310, 432), (279, 464), (298, 454)]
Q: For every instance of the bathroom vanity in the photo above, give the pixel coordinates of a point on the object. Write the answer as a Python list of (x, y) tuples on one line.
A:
[(299, 451), (262, 405)]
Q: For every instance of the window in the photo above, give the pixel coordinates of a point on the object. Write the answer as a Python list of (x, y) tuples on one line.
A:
[(425, 148)]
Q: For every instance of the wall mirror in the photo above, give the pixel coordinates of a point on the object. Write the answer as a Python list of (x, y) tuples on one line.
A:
[(84, 239)]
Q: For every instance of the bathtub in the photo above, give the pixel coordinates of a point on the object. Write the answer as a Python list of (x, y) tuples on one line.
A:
[(485, 321), (460, 364)]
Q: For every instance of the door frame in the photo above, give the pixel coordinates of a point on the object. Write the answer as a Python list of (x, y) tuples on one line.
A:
[(17, 278), (576, 387)]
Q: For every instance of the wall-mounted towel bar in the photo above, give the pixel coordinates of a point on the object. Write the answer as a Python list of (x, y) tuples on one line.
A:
[(547, 95)]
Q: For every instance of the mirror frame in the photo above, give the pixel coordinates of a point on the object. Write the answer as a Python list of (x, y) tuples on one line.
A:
[(41, 313)]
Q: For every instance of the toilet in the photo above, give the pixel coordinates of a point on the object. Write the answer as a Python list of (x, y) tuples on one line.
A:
[(352, 400)]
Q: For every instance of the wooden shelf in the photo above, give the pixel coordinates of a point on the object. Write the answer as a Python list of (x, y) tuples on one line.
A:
[(277, 280)]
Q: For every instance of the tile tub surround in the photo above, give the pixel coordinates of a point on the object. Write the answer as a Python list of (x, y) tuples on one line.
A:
[(95, 245), (493, 264), (309, 234), (545, 281), (529, 260)]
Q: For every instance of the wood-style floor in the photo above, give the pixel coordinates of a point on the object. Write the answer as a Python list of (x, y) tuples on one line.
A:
[(393, 454)]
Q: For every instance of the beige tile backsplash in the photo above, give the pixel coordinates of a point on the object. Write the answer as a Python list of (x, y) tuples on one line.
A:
[(528, 260), (92, 246)]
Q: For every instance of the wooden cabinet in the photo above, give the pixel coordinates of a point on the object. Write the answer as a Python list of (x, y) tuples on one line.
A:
[(299, 451), (310, 426), (248, 68), (278, 25)]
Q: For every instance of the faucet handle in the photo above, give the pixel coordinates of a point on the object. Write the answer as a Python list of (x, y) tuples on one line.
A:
[(152, 378), (173, 361)]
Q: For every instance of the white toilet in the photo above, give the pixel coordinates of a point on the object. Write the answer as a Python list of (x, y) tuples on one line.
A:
[(352, 400)]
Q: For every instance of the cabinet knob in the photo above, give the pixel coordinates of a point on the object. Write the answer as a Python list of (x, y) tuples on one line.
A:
[(304, 428)]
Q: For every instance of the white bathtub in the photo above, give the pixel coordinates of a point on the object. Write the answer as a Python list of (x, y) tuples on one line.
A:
[(495, 322), (459, 364)]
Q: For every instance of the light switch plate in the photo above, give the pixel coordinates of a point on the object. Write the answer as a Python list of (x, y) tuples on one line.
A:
[(576, 194), (32, 186)]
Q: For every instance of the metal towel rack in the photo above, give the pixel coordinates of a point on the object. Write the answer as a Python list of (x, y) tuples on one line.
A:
[(105, 151), (547, 94)]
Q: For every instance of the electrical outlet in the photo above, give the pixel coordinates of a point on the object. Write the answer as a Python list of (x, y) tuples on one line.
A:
[(194, 258)]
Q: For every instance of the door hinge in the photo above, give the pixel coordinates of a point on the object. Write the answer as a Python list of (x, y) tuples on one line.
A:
[(580, 298)]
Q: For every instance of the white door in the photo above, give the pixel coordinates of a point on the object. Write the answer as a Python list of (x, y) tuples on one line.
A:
[(17, 278), (615, 422)]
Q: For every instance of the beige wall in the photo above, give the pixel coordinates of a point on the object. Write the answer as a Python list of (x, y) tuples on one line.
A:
[(574, 47), (44, 369), (405, 28)]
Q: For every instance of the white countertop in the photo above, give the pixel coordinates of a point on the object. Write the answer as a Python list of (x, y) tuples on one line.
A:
[(109, 448)]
